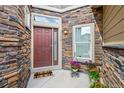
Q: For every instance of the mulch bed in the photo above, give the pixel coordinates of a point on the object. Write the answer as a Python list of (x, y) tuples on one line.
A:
[(43, 74)]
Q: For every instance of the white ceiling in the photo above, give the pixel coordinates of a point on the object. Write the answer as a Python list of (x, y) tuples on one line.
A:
[(57, 8)]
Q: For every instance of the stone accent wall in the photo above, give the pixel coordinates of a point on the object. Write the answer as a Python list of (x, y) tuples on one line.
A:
[(113, 68), (14, 47), (45, 12), (84, 15)]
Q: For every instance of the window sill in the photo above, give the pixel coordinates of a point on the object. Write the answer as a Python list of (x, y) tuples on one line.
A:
[(83, 60)]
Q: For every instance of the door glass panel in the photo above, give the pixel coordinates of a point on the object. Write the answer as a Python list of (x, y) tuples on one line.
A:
[(55, 46)]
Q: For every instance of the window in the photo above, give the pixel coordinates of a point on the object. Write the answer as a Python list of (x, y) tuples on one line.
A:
[(48, 20), (83, 42), (55, 46)]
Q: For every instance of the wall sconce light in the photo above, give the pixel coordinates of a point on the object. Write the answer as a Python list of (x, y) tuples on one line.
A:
[(65, 32)]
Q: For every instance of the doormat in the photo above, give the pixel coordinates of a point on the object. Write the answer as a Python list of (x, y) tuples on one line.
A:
[(43, 74)]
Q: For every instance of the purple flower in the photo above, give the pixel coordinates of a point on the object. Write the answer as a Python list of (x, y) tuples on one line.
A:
[(75, 64)]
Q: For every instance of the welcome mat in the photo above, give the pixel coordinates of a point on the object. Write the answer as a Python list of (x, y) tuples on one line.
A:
[(43, 74)]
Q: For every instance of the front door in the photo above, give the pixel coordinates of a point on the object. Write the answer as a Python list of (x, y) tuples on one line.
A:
[(45, 47)]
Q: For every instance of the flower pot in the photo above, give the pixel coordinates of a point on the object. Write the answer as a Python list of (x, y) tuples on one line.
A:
[(74, 73)]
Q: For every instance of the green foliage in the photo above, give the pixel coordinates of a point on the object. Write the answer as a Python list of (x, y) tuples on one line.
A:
[(94, 75), (74, 70), (97, 85)]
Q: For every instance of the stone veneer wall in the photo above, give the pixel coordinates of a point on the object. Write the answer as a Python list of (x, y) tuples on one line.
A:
[(14, 47), (84, 15), (113, 68), (45, 12)]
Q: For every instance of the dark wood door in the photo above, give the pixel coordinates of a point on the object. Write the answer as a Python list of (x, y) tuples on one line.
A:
[(42, 47)]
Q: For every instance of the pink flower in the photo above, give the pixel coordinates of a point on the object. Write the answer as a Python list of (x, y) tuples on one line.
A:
[(75, 64)]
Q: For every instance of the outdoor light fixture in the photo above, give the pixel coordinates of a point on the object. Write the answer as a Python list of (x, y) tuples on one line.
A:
[(65, 32)]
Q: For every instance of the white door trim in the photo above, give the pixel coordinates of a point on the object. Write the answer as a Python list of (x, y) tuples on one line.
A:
[(33, 23), (92, 40)]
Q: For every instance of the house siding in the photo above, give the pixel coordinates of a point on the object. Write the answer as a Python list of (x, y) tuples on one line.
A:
[(14, 47), (15, 42), (112, 71), (113, 20)]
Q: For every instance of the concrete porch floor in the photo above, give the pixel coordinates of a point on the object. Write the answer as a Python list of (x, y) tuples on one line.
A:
[(60, 79)]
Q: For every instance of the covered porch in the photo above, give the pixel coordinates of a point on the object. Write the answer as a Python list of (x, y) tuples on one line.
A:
[(38, 38)]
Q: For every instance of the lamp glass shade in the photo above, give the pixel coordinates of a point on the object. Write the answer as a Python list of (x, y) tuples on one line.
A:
[(65, 32)]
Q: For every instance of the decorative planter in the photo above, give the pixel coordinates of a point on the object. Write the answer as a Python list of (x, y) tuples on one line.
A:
[(75, 66), (74, 72)]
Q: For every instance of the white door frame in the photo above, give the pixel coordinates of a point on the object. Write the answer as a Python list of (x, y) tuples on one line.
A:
[(92, 46), (34, 23)]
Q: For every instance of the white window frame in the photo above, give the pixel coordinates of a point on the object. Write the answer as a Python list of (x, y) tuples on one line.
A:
[(92, 43), (27, 17)]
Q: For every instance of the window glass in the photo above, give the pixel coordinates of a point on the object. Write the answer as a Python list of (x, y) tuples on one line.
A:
[(83, 34), (55, 46), (46, 19), (83, 50), (83, 41)]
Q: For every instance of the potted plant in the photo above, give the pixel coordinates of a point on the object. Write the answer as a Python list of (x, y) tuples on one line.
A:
[(94, 75), (95, 78), (75, 66), (97, 84)]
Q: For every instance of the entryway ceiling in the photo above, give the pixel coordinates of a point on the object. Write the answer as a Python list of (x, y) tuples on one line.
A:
[(60, 6), (57, 8)]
